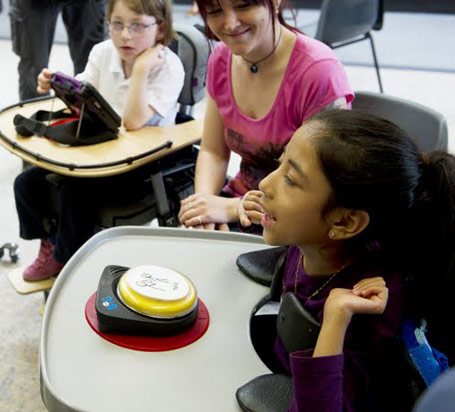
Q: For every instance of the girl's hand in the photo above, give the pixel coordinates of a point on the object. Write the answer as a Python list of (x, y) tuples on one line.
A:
[(368, 297), (44, 81), (250, 210), (204, 211), (150, 58)]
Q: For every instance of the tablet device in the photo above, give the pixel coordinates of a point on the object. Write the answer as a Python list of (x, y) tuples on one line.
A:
[(81, 97)]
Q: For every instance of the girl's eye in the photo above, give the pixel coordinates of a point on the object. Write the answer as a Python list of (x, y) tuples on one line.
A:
[(213, 12), (289, 181), (243, 6)]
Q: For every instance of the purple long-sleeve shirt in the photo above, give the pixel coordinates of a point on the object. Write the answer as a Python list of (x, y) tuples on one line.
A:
[(344, 382)]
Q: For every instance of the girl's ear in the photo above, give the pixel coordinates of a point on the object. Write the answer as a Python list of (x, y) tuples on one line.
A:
[(347, 223)]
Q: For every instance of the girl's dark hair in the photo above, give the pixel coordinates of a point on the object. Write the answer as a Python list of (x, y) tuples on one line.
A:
[(204, 4), (374, 166)]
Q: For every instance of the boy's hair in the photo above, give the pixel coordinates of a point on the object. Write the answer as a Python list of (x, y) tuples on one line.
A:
[(203, 4), (160, 9), (374, 166)]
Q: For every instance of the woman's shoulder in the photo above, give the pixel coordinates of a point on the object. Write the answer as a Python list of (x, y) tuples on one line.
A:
[(311, 50), (314, 65), (218, 77)]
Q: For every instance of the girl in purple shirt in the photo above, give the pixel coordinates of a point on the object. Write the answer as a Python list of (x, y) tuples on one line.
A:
[(263, 80), (363, 207)]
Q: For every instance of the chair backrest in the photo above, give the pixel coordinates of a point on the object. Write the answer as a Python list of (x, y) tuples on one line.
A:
[(425, 126), (193, 49), (344, 20)]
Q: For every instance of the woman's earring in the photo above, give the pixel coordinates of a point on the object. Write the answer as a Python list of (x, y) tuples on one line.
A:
[(332, 235)]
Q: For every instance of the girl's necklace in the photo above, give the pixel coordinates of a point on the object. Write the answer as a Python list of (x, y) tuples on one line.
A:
[(300, 263), (254, 65)]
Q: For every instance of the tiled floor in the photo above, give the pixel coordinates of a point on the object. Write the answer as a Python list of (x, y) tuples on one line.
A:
[(19, 315)]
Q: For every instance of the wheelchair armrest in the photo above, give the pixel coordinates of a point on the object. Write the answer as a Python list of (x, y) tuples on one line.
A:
[(260, 265), (271, 308), (266, 393)]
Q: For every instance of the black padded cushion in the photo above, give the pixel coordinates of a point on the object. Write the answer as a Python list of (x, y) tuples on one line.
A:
[(296, 327), (260, 265), (266, 393)]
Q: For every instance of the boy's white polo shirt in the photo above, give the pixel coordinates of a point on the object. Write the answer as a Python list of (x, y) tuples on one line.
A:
[(104, 71)]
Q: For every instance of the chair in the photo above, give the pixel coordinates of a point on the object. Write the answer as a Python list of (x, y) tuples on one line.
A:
[(425, 126), (193, 49), (172, 177), (260, 265), (344, 22), (12, 250)]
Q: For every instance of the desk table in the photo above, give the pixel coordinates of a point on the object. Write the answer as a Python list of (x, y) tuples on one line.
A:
[(74, 161), (80, 371)]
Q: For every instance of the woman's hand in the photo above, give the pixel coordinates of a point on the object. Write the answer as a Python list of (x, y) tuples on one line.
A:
[(368, 297), (250, 210), (44, 81), (204, 211)]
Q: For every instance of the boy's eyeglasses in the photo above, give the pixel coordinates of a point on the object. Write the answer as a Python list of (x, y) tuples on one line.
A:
[(134, 29)]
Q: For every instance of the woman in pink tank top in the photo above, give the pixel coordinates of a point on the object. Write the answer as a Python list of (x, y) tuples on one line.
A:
[(263, 80)]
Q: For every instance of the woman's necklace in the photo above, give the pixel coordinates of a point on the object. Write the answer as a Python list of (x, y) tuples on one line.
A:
[(254, 65), (300, 263)]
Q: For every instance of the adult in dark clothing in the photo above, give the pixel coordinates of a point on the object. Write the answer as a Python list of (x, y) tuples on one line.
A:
[(33, 25)]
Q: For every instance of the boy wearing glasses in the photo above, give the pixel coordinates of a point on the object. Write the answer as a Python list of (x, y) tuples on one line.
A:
[(133, 70)]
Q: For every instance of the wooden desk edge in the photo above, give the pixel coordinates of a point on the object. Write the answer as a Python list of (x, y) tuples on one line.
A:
[(193, 136)]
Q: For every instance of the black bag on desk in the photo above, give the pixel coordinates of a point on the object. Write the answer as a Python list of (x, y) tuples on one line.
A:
[(70, 131), (92, 120)]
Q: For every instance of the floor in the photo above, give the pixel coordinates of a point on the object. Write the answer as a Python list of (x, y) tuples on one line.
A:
[(418, 67)]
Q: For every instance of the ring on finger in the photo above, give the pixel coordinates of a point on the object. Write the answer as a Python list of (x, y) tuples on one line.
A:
[(190, 205), (199, 218)]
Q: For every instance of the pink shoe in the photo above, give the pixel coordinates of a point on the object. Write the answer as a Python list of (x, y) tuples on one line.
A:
[(44, 266)]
